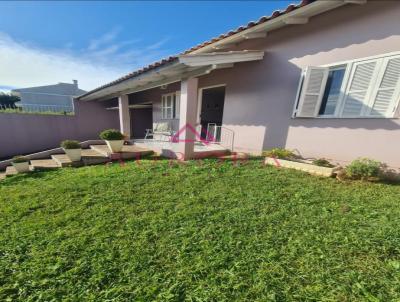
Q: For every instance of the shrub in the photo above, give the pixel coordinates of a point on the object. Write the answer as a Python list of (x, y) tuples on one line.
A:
[(279, 153), (322, 162), (19, 159), (364, 168), (70, 144), (111, 135)]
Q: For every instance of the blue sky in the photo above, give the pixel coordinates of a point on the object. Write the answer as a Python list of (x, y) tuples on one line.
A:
[(96, 42)]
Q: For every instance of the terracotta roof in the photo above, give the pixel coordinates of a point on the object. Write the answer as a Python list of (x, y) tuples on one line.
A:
[(171, 59)]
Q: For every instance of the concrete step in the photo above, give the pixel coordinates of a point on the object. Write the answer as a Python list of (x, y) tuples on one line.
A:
[(89, 157), (2, 175), (128, 152), (211, 153), (92, 157), (63, 160), (44, 164), (235, 156), (10, 171)]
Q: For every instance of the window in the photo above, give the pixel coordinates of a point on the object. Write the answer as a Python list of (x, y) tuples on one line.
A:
[(170, 106), (331, 95), (362, 88)]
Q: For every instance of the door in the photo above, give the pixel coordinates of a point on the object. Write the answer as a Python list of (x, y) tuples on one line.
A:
[(141, 119), (212, 109)]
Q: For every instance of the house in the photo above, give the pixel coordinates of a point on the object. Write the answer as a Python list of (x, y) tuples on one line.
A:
[(320, 77), (56, 97)]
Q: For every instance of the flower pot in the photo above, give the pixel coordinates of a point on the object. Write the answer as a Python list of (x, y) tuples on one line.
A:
[(21, 167), (115, 146), (74, 154)]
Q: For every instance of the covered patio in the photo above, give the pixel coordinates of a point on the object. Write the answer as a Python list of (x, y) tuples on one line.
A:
[(182, 72), (171, 149)]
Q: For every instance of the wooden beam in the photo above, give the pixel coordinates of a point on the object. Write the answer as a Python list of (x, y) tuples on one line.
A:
[(295, 20), (224, 65), (360, 2), (255, 35), (177, 78), (224, 46)]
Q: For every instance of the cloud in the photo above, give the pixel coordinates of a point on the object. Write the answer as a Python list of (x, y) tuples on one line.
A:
[(158, 44), (104, 60), (104, 39)]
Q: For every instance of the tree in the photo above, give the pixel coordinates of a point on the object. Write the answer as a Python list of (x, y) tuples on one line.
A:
[(8, 100)]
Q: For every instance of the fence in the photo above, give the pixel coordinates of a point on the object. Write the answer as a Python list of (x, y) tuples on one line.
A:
[(36, 108), (23, 133)]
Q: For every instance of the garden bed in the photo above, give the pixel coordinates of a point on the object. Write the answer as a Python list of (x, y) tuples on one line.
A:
[(303, 165)]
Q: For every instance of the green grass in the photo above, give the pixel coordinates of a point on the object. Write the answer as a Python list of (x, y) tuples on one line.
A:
[(202, 231)]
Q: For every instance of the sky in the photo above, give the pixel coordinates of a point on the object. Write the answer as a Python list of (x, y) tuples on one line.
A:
[(93, 42)]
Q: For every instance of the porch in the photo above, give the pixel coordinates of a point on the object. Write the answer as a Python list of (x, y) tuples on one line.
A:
[(171, 94), (171, 149)]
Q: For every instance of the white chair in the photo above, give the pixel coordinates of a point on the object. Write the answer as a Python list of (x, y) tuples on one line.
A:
[(159, 131)]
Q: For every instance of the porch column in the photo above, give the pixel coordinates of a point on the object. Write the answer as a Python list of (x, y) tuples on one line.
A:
[(124, 115), (187, 117)]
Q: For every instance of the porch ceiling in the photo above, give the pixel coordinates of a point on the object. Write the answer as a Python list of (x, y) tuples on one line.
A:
[(186, 66)]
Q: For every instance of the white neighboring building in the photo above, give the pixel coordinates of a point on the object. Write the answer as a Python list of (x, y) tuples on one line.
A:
[(56, 97)]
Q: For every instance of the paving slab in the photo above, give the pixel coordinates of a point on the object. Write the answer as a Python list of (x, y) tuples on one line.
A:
[(10, 170), (63, 160), (127, 152), (44, 164)]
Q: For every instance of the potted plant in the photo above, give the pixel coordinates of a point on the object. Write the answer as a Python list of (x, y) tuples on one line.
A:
[(21, 164), (72, 149), (114, 139)]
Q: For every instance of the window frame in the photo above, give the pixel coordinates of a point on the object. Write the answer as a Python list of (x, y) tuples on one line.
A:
[(341, 94), (174, 107), (366, 110)]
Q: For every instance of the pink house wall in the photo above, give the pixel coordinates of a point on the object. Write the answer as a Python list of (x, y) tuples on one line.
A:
[(260, 95)]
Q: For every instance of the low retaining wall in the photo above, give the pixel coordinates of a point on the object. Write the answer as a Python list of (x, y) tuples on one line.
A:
[(48, 153), (29, 133)]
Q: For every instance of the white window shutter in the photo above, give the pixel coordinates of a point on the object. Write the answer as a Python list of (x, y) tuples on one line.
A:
[(177, 104), (359, 87), (386, 94), (312, 91)]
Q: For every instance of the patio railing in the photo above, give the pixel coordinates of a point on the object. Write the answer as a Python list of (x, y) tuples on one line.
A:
[(219, 134)]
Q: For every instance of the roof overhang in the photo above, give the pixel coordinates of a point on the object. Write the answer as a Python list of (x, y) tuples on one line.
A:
[(186, 66), (136, 106), (296, 17)]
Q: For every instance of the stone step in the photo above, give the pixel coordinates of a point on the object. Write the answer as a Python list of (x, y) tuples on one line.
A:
[(89, 157), (2, 175), (128, 152), (44, 164), (10, 171), (211, 153), (63, 160), (92, 157)]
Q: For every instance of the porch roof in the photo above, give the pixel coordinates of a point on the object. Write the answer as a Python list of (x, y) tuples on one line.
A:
[(184, 66)]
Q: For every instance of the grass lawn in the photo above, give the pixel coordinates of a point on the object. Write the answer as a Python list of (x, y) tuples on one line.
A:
[(202, 231)]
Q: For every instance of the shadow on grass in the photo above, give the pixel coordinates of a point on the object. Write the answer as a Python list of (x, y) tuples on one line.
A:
[(37, 174)]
